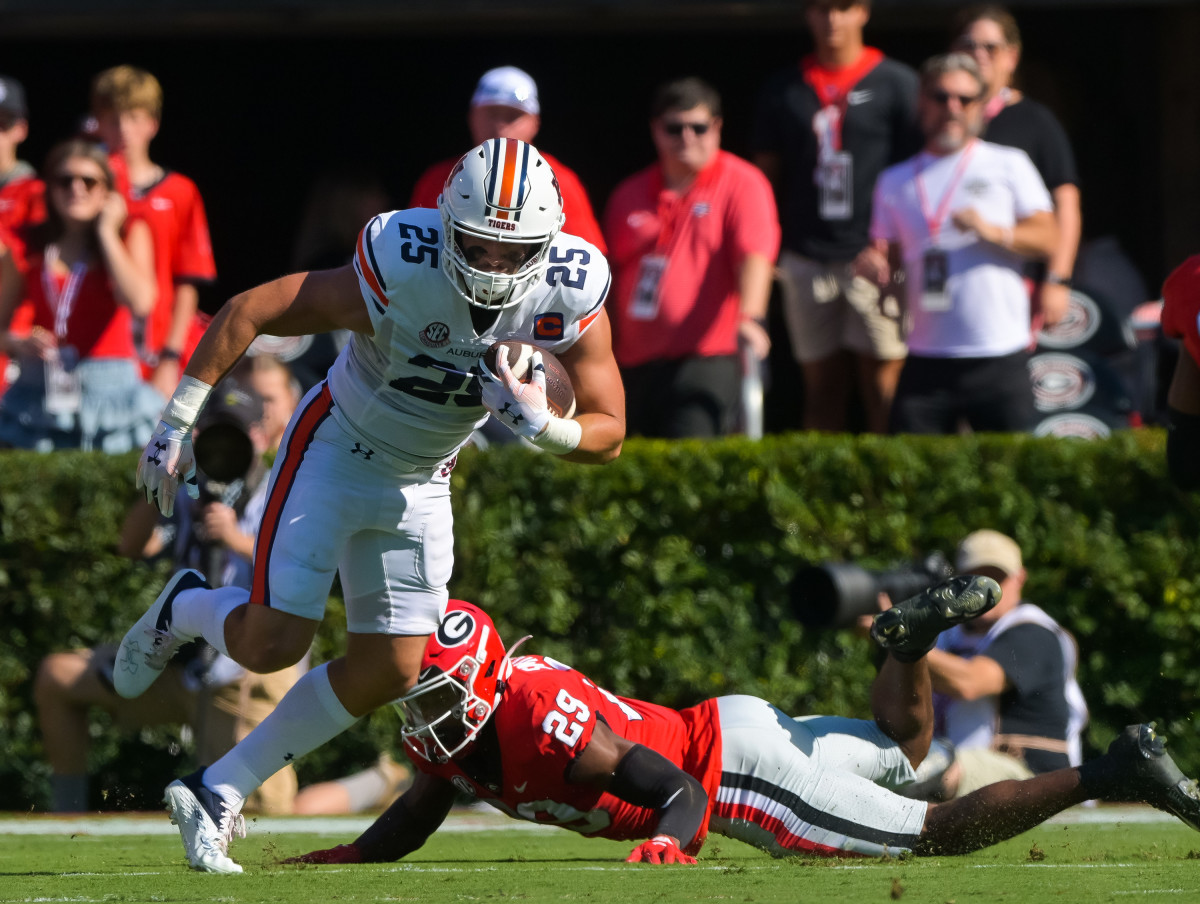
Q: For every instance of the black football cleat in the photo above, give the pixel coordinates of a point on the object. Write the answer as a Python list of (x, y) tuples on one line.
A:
[(910, 628), (1145, 771)]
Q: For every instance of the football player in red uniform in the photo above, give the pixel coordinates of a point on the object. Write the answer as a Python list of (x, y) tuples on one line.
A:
[(1181, 319), (540, 741)]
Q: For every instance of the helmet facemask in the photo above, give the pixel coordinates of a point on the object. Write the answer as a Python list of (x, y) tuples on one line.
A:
[(442, 714)]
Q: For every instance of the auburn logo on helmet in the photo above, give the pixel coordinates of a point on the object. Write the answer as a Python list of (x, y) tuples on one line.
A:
[(456, 628)]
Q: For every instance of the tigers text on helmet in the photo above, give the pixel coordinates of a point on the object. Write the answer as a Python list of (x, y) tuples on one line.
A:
[(463, 674), (501, 191)]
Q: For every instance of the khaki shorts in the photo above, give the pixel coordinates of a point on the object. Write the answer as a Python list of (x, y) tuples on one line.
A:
[(983, 766), (828, 309)]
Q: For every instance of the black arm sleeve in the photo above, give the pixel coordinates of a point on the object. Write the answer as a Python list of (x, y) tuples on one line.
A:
[(398, 831), (648, 779), (1183, 448)]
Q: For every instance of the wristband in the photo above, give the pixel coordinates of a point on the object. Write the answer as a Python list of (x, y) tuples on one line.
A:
[(183, 409), (1055, 280), (560, 435), (168, 354)]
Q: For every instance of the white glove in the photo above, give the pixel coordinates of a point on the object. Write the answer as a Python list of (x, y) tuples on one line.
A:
[(167, 461), (521, 407)]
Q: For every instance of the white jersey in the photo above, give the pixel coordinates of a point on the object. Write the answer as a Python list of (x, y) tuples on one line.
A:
[(412, 389), (988, 312)]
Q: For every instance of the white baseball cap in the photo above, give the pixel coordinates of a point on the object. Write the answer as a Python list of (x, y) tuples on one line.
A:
[(507, 86), (989, 548)]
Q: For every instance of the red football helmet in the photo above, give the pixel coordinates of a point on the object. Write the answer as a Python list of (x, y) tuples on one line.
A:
[(463, 673)]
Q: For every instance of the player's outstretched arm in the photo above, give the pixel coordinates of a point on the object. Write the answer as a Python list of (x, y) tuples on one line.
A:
[(294, 305), (400, 829), (643, 777), (599, 394)]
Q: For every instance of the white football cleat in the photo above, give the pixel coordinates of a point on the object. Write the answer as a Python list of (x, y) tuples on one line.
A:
[(206, 823), (149, 644)]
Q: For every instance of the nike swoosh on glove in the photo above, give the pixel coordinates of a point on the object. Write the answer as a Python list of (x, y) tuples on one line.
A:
[(343, 853), (167, 461), (521, 407), (659, 849)]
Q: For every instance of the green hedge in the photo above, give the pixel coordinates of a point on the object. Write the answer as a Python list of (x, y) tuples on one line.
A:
[(663, 574)]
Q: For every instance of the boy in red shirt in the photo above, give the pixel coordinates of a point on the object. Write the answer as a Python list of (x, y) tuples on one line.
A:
[(127, 105)]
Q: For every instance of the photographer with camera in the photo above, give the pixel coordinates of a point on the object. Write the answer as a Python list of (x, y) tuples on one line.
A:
[(215, 697), (1005, 694)]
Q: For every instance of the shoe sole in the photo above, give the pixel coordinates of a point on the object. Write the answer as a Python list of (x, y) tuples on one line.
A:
[(979, 595), (180, 801), (132, 674)]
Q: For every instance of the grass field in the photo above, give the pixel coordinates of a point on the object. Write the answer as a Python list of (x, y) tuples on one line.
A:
[(1118, 854)]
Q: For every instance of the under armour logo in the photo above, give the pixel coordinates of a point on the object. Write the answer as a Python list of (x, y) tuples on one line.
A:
[(365, 453), (513, 413), (158, 447), (288, 757)]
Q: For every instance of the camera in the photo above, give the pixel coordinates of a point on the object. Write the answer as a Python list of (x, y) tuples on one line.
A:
[(835, 594), (225, 453)]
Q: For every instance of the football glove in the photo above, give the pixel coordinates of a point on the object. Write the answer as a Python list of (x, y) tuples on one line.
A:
[(167, 461), (521, 407), (343, 853), (659, 849)]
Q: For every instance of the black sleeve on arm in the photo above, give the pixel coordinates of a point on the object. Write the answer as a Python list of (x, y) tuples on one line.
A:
[(1183, 447), (648, 779), (401, 829)]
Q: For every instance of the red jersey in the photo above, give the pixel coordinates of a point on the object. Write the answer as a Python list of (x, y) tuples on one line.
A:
[(96, 325), (22, 203), (546, 718), (174, 211), (677, 258), (1181, 305), (580, 220)]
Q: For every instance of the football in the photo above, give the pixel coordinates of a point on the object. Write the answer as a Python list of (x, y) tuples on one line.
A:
[(560, 395)]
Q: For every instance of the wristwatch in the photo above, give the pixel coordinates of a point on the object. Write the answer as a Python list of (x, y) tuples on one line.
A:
[(1055, 280)]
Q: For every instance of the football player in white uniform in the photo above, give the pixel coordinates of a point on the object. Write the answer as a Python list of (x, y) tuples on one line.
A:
[(361, 482)]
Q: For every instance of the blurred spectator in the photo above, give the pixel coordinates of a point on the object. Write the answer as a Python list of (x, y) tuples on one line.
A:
[(88, 273), (1005, 693), (209, 692), (965, 214), (694, 239), (337, 206), (990, 35), (22, 196), (279, 391), (505, 105), (824, 131), (374, 788), (127, 106), (1181, 320)]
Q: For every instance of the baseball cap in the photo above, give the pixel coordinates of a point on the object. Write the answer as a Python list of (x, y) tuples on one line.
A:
[(12, 97), (507, 86), (985, 548)]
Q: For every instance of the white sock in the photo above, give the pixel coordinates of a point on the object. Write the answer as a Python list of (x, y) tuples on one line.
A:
[(308, 715), (202, 613)]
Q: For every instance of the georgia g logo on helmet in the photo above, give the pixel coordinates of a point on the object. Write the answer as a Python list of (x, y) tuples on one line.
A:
[(456, 628)]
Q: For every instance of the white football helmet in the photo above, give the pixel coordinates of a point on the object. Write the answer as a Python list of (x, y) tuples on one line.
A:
[(505, 191)]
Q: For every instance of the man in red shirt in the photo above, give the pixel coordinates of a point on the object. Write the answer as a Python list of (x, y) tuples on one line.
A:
[(692, 243), (1181, 319), (505, 105), (539, 741), (127, 107), (22, 194)]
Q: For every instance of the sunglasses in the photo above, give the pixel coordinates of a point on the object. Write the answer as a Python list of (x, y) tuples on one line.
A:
[(67, 180), (989, 47), (944, 97), (676, 129)]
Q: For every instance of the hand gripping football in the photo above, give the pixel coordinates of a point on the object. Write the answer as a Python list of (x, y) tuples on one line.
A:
[(560, 394)]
